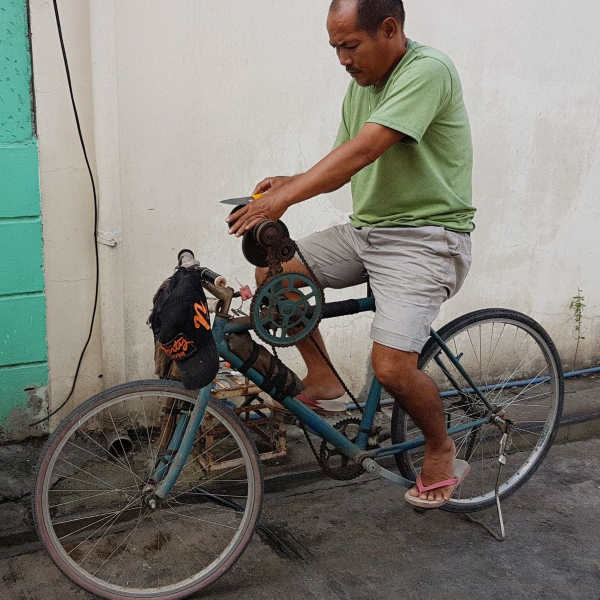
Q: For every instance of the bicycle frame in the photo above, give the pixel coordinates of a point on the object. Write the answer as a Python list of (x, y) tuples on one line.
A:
[(184, 435)]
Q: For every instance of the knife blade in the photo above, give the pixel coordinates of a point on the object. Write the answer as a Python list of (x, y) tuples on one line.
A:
[(241, 201)]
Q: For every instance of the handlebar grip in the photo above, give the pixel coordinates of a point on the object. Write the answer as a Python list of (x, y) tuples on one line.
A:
[(212, 277)]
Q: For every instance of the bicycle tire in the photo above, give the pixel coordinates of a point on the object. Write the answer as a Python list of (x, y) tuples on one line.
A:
[(161, 545), (542, 369)]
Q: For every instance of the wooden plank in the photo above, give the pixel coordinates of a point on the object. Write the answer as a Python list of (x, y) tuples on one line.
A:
[(231, 384), (236, 462), (249, 390)]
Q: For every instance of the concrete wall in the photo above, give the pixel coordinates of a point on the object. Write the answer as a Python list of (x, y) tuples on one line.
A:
[(66, 197), (191, 101)]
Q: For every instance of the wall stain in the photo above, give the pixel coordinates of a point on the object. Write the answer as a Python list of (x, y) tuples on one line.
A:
[(17, 427)]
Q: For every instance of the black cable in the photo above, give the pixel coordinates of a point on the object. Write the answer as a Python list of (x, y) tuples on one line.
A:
[(334, 371), (87, 162), (312, 339)]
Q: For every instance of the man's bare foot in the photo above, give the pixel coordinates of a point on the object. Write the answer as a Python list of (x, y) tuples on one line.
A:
[(438, 466), (322, 396), (322, 389)]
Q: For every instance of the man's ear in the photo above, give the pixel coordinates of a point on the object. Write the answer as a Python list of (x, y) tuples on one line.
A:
[(389, 27)]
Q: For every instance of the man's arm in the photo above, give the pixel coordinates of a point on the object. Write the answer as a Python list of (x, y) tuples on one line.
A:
[(329, 174)]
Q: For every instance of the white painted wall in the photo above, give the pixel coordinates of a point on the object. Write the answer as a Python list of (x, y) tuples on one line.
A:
[(194, 101), (67, 211)]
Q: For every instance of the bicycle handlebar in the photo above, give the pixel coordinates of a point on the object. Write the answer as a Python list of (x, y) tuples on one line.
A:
[(186, 259)]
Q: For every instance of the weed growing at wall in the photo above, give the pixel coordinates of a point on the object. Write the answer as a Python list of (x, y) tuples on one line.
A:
[(577, 305)]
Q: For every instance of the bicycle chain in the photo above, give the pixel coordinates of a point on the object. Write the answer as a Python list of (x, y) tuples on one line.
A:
[(309, 269), (323, 355), (275, 268)]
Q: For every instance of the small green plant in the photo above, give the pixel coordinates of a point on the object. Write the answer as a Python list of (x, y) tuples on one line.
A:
[(577, 305)]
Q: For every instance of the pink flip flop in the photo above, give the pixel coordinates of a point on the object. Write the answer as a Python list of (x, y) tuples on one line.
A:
[(461, 470)]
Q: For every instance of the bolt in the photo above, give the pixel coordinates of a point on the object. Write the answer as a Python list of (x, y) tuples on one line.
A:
[(370, 466)]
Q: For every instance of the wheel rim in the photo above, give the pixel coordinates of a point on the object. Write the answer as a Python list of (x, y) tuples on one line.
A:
[(516, 368), (93, 510)]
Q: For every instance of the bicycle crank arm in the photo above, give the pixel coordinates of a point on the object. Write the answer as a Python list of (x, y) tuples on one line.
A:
[(370, 466)]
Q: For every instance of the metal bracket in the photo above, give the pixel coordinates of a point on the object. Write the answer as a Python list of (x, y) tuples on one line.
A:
[(504, 441), (108, 238), (504, 447)]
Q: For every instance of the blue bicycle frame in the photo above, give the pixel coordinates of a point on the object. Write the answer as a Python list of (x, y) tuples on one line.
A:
[(182, 440)]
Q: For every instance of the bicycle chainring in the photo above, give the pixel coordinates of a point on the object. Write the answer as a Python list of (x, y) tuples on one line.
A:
[(286, 308), (335, 464)]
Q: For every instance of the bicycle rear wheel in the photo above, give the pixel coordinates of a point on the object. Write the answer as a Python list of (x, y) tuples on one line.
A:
[(513, 361), (90, 498)]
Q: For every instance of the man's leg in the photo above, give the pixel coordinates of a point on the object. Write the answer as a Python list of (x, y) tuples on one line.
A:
[(320, 383), (419, 396)]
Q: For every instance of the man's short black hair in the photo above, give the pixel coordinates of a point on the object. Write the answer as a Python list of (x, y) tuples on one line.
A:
[(372, 13)]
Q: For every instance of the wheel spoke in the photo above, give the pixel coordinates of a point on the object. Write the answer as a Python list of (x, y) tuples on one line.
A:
[(87, 498), (111, 463)]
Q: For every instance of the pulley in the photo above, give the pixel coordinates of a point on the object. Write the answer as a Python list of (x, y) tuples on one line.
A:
[(267, 243), (286, 308)]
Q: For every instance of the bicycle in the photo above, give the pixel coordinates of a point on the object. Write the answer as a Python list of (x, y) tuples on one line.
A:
[(151, 490)]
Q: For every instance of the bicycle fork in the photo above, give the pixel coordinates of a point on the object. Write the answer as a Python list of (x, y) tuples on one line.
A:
[(169, 467)]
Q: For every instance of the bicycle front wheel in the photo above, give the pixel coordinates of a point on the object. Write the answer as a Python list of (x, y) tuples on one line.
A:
[(91, 504), (513, 362)]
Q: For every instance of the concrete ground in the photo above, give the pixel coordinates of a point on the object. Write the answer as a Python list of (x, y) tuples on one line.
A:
[(359, 540)]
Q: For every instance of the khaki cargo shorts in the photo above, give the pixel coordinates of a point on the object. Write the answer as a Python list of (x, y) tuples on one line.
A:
[(412, 271)]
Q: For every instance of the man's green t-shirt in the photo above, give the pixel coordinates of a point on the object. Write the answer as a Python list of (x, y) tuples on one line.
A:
[(426, 178)]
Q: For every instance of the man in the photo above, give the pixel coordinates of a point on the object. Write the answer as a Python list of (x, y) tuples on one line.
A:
[(405, 144)]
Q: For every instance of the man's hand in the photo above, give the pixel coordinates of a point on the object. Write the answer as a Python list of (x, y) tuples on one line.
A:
[(270, 183), (270, 207)]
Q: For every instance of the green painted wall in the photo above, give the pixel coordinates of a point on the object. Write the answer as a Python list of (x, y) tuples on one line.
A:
[(23, 355), (20, 191)]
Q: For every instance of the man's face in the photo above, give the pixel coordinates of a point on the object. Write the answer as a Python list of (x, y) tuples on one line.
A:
[(367, 58)]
